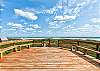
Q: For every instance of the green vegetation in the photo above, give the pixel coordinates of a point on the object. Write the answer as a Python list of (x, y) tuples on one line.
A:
[(12, 44), (20, 43), (7, 52), (5, 46)]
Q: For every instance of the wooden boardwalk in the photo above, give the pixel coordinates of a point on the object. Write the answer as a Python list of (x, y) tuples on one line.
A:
[(45, 59)]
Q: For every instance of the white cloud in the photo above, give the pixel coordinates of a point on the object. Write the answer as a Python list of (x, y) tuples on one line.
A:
[(90, 28), (49, 31), (1, 9), (39, 31), (29, 29), (50, 11), (53, 23), (62, 21), (69, 27), (1, 27), (81, 4), (15, 25), (98, 31), (25, 23), (12, 29), (2, 3), (85, 28), (55, 26), (25, 14), (64, 18), (96, 20), (18, 25), (67, 11), (35, 26), (10, 23), (34, 31)]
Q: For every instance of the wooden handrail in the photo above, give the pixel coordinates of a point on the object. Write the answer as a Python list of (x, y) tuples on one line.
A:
[(12, 48), (85, 50), (37, 43), (11, 42), (61, 43), (88, 49)]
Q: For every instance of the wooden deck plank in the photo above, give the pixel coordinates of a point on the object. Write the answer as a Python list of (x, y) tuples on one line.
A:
[(45, 59)]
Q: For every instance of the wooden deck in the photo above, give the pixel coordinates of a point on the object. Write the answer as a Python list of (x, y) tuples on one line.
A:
[(45, 59)]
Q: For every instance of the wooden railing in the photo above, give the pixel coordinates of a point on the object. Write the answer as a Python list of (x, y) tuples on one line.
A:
[(13, 46), (91, 48), (47, 42), (77, 45)]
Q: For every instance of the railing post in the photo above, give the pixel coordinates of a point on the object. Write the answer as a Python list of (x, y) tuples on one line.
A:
[(72, 48), (33, 43), (1, 55), (19, 48), (43, 42), (85, 52), (14, 50), (13, 44), (62, 43), (58, 43), (49, 43), (97, 49), (28, 46), (78, 43), (76, 48)]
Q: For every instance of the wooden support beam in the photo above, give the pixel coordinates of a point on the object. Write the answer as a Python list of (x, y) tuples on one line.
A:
[(14, 49), (77, 48), (58, 43), (78, 43), (85, 51), (97, 49), (72, 49), (43, 42), (28, 46), (49, 43), (33, 41), (18, 48)]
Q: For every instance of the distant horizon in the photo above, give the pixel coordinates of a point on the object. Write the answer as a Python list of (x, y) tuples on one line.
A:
[(52, 37)]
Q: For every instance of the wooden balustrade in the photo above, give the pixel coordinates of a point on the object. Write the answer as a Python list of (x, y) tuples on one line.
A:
[(14, 42), (85, 49), (74, 44), (14, 48)]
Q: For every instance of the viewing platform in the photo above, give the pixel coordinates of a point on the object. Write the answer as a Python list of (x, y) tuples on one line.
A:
[(28, 57)]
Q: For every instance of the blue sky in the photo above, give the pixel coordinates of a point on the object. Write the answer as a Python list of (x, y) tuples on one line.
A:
[(53, 18)]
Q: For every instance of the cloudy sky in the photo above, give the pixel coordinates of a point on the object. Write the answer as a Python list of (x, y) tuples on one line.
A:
[(56, 18)]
